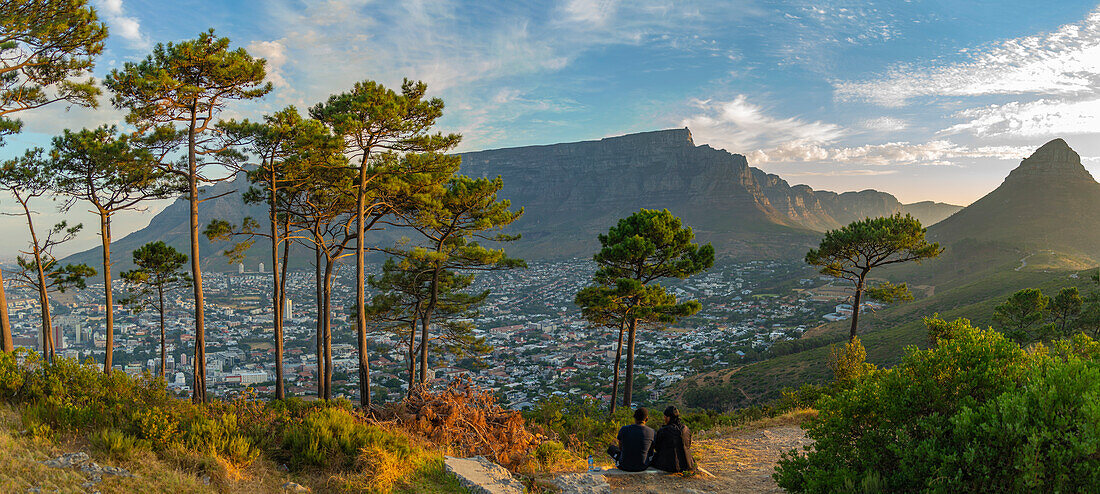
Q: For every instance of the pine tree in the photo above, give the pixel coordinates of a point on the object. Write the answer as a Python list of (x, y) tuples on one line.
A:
[(285, 145), (853, 251), (452, 221), (640, 250), (376, 123), (188, 84), (45, 47), (27, 178), (157, 273), (113, 173)]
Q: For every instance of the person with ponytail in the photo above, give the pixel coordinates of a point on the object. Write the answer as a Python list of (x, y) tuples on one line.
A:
[(672, 446)]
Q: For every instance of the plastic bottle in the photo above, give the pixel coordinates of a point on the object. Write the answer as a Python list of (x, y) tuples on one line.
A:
[(591, 464)]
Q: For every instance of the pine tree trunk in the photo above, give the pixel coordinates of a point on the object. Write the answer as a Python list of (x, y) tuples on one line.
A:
[(6, 342), (163, 347), (425, 326), (43, 296), (329, 267), (360, 290), (618, 358), (199, 393), (108, 296), (855, 310), (319, 281), (628, 387), (277, 298)]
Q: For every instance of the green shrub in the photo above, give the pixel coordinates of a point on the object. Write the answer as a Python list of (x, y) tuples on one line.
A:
[(335, 437), (118, 444), (550, 453), (976, 413), (220, 436), (848, 363)]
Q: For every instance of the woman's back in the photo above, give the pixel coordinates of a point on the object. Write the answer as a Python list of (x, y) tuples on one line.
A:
[(672, 449)]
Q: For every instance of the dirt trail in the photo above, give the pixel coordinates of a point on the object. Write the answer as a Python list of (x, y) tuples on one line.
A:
[(741, 461)]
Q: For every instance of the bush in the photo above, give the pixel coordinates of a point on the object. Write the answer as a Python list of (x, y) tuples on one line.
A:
[(333, 436), (848, 363), (976, 413), (118, 444), (549, 454)]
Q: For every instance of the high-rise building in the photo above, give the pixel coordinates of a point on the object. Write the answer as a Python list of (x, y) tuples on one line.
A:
[(58, 337), (261, 267), (240, 268), (288, 311)]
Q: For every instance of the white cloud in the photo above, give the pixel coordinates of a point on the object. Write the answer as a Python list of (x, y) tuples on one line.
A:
[(596, 12), (119, 24), (738, 125), (1065, 62), (936, 152), (1043, 117), (275, 54), (863, 172), (884, 124)]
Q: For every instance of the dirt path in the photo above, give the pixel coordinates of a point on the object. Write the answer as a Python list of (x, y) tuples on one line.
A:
[(741, 461)]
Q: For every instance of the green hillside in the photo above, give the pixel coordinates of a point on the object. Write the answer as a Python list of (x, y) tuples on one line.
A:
[(885, 334), (1038, 229)]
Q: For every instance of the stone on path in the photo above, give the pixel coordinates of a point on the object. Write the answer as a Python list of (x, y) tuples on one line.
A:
[(81, 461), (481, 476), (293, 487), (582, 483)]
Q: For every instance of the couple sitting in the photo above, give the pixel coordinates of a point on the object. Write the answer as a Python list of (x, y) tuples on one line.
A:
[(668, 449)]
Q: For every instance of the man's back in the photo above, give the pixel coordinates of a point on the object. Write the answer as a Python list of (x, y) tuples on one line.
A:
[(635, 441)]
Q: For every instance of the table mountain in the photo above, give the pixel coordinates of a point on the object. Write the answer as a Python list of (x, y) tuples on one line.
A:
[(573, 191)]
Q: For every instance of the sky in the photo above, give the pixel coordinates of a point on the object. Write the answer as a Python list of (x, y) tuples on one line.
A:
[(927, 100)]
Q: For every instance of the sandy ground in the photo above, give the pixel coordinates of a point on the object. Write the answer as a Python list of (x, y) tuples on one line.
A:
[(739, 461)]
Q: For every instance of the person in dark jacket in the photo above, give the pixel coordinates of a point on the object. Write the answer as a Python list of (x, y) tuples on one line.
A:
[(635, 440), (672, 446)]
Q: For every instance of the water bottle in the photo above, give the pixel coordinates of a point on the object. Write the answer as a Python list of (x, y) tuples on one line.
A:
[(591, 464)]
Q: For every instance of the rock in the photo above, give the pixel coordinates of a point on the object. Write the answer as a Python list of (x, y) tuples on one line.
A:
[(293, 487), (68, 460), (481, 476), (582, 483)]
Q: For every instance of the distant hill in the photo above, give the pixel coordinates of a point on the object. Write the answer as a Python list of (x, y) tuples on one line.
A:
[(1049, 202), (571, 192)]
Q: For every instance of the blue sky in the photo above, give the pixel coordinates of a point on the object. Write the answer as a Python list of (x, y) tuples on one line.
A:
[(928, 100)]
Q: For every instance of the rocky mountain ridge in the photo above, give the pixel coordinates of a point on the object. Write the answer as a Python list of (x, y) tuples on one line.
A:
[(573, 191)]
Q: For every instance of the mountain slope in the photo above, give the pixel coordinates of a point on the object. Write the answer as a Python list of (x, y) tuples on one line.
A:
[(1049, 202), (573, 191)]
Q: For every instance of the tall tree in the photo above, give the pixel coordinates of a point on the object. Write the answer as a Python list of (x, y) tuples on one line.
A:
[(324, 206), (1065, 308), (452, 220), (285, 145), (1021, 312), (27, 178), (641, 249), (158, 272), (189, 84), (113, 173), (851, 252), (46, 46), (375, 123)]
